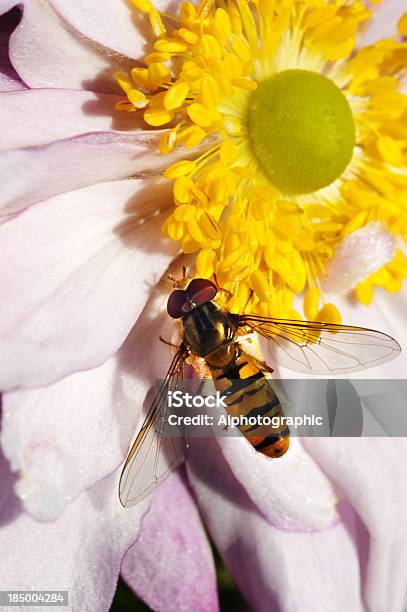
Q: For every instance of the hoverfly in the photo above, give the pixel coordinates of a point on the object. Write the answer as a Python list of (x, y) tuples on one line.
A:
[(212, 333)]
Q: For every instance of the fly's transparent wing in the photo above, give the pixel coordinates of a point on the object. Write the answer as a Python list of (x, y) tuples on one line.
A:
[(153, 456), (322, 348)]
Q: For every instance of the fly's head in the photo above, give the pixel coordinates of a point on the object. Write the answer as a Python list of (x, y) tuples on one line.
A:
[(182, 301)]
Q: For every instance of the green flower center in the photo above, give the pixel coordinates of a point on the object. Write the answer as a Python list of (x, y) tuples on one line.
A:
[(301, 130)]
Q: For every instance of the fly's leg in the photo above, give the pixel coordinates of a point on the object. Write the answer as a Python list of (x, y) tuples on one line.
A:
[(168, 343), (262, 365), (181, 347)]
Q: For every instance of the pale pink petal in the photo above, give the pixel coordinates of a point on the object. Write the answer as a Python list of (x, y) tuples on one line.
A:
[(384, 21), (276, 570), (80, 553), (64, 437), (6, 5), (309, 503), (361, 253), (47, 53), (371, 474), (33, 174), (113, 23), (36, 117), (8, 77), (384, 404), (78, 270), (171, 566)]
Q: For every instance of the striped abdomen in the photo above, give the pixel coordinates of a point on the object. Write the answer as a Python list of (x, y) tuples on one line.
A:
[(250, 395)]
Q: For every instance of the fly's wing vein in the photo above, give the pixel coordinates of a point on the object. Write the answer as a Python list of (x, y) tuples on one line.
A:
[(314, 347), (153, 456)]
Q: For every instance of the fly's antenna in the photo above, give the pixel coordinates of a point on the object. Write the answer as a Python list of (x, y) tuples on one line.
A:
[(179, 283), (248, 299), (219, 288), (172, 278)]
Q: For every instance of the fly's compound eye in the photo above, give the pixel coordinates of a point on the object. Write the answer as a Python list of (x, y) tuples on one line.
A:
[(201, 290), (178, 304)]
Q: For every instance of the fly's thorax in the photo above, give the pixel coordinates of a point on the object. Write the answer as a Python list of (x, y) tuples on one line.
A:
[(206, 328)]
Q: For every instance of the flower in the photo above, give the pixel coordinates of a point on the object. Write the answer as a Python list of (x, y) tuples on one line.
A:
[(81, 259), (300, 143)]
